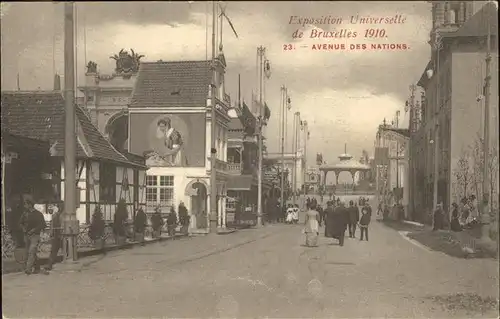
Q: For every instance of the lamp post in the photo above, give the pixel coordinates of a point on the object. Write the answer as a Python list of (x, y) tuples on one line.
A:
[(261, 51), (295, 149), (70, 221), (485, 208), (213, 216), (306, 137), (437, 46), (285, 106)]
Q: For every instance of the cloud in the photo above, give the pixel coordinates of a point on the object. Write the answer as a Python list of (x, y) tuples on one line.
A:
[(343, 95)]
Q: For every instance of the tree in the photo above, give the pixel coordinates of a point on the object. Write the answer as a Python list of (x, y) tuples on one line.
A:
[(478, 173), (477, 167), (493, 173), (463, 176)]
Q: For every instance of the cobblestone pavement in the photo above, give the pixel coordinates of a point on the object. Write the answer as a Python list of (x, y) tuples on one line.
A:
[(258, 273)]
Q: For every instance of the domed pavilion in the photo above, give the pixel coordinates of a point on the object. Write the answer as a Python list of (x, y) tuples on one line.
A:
[(347, 164)]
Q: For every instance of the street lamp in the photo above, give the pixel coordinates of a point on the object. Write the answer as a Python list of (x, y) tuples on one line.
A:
[(437, 45)]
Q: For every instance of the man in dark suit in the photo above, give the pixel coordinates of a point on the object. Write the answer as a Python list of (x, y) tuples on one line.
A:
[(353, 219)]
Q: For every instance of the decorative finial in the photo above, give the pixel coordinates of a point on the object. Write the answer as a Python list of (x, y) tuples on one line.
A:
[(345, 148)]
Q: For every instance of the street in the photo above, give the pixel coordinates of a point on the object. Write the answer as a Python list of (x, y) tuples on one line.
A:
[(262, 272)]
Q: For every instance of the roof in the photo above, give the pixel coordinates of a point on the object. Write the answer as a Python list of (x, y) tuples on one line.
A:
[(41, 115), (346, 163), (14, 142), (403, 131), (240, 182), (172, 84)]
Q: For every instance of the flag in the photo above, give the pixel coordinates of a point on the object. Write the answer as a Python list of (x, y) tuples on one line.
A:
[(248, 119), (267, 69), (223, 13), (267, 112)]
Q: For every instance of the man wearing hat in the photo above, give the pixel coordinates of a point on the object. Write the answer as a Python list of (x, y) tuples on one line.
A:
[(32, 223)]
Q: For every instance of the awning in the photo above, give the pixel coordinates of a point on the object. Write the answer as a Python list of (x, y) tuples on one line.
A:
[(240, 183)]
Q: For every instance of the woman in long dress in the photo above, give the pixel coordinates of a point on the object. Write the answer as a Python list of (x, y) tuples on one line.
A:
[(312, 227)]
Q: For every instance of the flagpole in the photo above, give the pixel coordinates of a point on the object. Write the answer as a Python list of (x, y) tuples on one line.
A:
[(260, 52), (71, 227), (485, 216), (213, 216), (283, 114)]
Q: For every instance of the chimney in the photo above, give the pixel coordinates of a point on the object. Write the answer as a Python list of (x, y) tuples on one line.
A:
[(57, 82)]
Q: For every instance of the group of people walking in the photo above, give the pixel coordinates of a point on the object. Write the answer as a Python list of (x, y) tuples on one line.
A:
[(337, 218)]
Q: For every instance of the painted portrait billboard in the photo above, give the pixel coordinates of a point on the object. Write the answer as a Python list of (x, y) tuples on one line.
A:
[(176, 140)]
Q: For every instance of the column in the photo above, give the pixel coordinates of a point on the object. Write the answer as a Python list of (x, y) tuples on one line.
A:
[(461, 13), (439, 14), (224, 211), (447, 13), (219, 212), (207, 209)]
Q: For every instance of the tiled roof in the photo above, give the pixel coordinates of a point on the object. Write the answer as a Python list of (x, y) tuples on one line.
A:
[(41, 115), (172, 84), (19, 142)]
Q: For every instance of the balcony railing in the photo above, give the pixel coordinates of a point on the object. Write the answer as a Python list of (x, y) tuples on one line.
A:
[(12, 241), (220, 165), (234, 168)]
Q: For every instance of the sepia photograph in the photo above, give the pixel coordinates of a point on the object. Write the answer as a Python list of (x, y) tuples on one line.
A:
[(250, 159)]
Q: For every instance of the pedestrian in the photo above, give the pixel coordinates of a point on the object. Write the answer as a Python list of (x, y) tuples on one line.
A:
[(364, 222), (312, 226), (157, 222), (140, 221), (353, 219), (329, 218), (296, 211), (171, 222), (55, 234), (455, 223), (32, 223), (308, 202), (321, 212), (438, 217), (338, 222)]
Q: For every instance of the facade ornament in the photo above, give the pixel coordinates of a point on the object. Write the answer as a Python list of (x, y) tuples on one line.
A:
[(127, 63), (91, 67)]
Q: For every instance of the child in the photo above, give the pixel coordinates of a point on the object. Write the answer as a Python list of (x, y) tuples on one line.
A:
[(364, 222)]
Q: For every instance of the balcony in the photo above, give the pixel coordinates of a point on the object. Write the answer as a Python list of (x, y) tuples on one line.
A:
[(235, 168), (220, 165)]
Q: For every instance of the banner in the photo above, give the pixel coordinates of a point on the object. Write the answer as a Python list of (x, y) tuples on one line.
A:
[(174, 140)]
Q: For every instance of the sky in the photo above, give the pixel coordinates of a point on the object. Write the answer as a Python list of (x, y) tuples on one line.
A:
[(344, 95)]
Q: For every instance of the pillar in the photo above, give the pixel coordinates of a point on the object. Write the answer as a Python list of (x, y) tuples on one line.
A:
[(447, 9), (461, 13), (207, 208), (337, 177), (219, 211), (439, 14), (223, 200)]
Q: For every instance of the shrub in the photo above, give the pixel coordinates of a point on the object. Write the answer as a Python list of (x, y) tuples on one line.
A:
[(97, 225), (120, 219)]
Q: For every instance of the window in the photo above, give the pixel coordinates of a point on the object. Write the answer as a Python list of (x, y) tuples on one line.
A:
[(107, 183), (160, 192)]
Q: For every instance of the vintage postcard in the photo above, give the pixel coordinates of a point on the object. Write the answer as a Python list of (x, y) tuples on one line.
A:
[(250, 159)]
